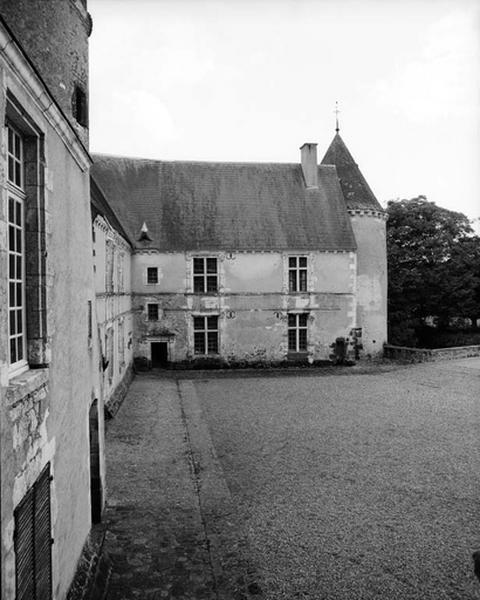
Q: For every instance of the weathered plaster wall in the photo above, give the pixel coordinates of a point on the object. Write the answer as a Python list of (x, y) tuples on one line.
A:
[(370, 234), (45, 411), (252, 304)]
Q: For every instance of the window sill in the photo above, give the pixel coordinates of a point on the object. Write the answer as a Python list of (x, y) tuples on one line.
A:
[(24, 384)]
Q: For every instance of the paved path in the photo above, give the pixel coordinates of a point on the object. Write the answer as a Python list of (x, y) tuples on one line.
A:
[(172, 530), (358, 487)]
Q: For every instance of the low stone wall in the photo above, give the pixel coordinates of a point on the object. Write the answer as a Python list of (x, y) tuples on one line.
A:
[(414, 355), (113, 403)]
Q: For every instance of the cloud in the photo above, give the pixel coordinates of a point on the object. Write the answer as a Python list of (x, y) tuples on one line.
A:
[(135, 122), (444, 80)]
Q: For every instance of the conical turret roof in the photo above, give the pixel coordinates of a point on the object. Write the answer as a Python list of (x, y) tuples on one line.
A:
[(356, 191)]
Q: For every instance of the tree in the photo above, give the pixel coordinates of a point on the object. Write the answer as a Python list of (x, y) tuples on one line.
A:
[(433, 263)]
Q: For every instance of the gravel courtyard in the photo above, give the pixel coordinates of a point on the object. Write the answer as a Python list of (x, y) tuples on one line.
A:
[(355, 487)]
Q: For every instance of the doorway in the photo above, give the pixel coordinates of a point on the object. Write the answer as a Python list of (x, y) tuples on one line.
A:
[(159, 352), (95, 480)]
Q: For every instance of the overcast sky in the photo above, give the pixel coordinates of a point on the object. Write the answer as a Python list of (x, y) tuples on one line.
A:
[(233, 80)]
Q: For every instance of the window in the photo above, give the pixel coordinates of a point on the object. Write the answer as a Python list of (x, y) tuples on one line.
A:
[(109, 350), (152, 275), (79, 106), (33, 542), (297, 273), (90, 319), (297, 332), (152, 312), (109, 265), (206, 335), (205, 276), (16, 253), (121, 345)]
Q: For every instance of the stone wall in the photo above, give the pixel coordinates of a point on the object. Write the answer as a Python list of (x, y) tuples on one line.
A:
[(404, 353), (54, 34)]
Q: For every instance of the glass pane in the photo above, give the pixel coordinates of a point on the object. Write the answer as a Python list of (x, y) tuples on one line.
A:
[(18, 215), (17, 145), (19, 267), (10, 140), (292, 281), (302, 320), (19, 294), (211, 265), (212, 283), (198, 323), (20, 348), (212, 343), (19, 240), (11, 210), (292, 340), (198, 284), (302, 339), (13, 322), (11, 238), (18, 176), (19, 321), (292, 262), (198, 265), (12, 261), (10, 168), (302, 261), (199, 344), (11, 296), (212, 322), (303, 281), (13, 351), (292, 320)]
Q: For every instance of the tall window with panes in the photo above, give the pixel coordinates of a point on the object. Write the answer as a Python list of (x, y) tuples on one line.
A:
[(16, 252), (297, 332), (205, 275), (297, 273), (206, 334)]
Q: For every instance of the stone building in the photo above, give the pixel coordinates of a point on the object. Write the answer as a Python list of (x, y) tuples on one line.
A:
[(51, 406), (112, 253), (250, 263)]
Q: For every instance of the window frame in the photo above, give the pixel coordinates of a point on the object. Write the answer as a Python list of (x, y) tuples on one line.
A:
[(298, 328), (202, 278), (16, 196), (151, 304), (201, 335), (297, 273), (147, 277)]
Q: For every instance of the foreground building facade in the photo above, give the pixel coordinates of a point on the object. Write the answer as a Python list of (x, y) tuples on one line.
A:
[(51, 411)]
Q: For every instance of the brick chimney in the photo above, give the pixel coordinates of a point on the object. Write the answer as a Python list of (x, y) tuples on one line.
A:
[(309, 165)]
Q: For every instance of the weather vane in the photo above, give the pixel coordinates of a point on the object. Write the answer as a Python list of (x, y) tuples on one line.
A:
[(337, 110)]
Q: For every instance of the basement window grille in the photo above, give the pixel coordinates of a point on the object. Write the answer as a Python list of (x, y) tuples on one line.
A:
[(152, 312)]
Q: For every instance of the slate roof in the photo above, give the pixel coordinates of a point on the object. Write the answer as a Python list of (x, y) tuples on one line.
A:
[(99, 205), (356, 191), (224, 206)]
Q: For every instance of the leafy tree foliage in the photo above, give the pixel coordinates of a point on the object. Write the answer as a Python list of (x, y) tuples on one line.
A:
[(434, 267)]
